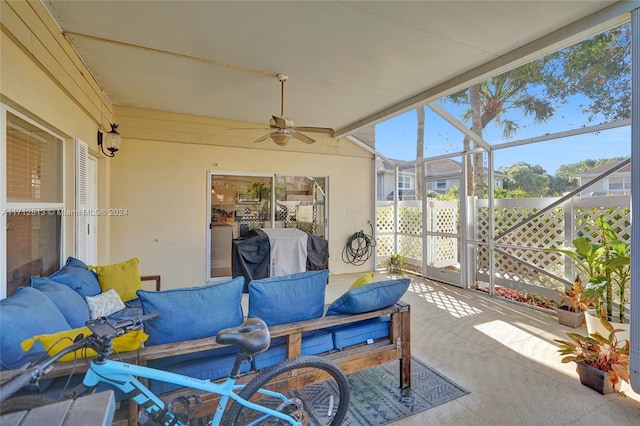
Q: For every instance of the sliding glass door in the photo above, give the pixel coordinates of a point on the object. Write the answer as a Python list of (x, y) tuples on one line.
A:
[(239, 202)]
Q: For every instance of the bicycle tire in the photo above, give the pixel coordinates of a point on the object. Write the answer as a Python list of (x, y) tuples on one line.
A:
[(25, 402), (314, 403)]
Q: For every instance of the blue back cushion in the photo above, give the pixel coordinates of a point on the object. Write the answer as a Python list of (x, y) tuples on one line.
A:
[(290, 298), (192, 313), (71, 304), (75, 275), (369, 297), (25, 314)]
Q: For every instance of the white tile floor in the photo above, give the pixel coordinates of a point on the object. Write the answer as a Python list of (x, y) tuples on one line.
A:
[(504, 354)]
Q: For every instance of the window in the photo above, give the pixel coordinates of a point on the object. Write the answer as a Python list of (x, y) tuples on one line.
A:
[(622, 182), (404, 182), (31, 201), (441, 184)]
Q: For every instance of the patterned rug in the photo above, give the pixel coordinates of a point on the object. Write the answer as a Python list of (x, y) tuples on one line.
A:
[(377, 400)]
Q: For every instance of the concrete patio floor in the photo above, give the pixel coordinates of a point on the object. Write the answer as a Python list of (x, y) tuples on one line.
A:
[(504, 354)]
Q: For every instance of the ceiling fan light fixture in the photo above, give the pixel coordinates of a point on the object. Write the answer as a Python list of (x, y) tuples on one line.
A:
[(281, 139)]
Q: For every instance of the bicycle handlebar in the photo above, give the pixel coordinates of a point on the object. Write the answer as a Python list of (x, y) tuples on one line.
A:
[(100, 328)]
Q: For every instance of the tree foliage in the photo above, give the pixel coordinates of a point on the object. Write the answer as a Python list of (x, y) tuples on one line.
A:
[(569, 171), (599, 69), (530, 179), (508, 92)]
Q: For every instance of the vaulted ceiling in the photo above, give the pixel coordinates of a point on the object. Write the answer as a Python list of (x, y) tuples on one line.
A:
[(350, 64)]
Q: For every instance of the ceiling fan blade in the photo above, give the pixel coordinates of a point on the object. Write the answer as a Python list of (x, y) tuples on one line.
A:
[(281, 123), (263, 138), (301, 137), (248, 128), (326, 130)]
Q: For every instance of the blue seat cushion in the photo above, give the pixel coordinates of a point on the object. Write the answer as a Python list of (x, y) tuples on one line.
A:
[(369, 297), (313, 343), (206, 365), (75, 275), (289, 298), (133, 309), (70, 303), (359, 332), (24, 314), (192, 313)]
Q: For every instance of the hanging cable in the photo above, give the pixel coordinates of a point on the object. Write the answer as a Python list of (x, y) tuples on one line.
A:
[(359, 248)]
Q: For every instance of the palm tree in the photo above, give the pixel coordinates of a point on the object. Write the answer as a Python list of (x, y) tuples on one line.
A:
[(420, 153), (492, 100)]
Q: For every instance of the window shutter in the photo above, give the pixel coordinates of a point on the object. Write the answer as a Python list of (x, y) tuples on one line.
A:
[(82, 199)]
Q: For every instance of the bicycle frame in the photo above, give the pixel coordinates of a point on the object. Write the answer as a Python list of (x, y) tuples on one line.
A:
[(123, 376)]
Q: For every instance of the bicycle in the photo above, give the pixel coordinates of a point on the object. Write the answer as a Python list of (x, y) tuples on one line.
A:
[(265, 400)]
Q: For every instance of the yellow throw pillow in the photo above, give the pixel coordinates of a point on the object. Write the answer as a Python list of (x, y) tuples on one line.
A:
[(363, 279), (56, 342), (123, 277)]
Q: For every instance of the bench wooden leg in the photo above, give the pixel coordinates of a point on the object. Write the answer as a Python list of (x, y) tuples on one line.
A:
[(405, 361)]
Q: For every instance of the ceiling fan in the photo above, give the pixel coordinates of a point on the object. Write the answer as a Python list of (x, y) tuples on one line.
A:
[(285, 129)]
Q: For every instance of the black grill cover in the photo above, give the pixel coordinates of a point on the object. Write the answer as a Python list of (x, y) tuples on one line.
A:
[(250, 257)]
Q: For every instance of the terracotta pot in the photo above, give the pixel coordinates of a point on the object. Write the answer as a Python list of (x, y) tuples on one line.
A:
[(597, 380), (569, 318)]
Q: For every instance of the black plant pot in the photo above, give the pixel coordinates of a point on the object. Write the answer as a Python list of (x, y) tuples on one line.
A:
[(597, 380)]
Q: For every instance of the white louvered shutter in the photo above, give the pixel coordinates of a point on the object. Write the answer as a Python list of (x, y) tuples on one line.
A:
[(82, 199)]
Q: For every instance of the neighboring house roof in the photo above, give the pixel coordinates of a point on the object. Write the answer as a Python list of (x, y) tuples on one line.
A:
[(597, 171), (437, 167)]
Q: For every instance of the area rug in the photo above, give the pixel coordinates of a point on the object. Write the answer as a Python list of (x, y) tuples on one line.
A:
[(377, 400)]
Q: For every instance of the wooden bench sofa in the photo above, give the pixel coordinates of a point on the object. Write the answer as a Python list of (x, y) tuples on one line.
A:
[(288, 336)]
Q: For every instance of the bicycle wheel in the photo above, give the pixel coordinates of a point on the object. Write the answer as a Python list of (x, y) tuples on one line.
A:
[(26, 402), (317, 391)]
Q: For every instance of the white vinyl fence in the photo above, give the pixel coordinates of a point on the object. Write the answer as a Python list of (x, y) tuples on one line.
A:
[(519, 261)]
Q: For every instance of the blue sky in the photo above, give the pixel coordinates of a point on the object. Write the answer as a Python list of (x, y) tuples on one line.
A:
[(396, 138)]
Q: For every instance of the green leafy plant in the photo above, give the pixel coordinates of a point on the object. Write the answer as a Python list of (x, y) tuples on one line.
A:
[(397, 263), (603, 264), (603, 353)]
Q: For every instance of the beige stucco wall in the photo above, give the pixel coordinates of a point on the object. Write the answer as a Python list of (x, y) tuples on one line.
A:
[(43, 78), (159, 175), (163, 185)]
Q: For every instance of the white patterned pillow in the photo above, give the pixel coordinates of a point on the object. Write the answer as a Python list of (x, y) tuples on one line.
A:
[(104, 304)]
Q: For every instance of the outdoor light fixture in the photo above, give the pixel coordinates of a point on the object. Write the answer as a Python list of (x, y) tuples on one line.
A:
[(111, 140), (281, 137)]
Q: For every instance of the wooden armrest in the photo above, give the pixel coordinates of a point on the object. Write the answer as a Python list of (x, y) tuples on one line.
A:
[(155, 278)]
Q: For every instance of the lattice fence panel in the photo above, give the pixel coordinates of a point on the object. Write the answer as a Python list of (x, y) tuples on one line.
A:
[(384, 245), (384, 219), (410, 247), (617, 216), (410, 220), (546, 230)]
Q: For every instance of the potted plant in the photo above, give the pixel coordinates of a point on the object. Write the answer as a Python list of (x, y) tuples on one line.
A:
[(571, 313), (602, 362), (397, 263), (605, 265)]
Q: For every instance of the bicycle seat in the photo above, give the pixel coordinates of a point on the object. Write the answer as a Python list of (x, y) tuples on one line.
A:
[(251, 337)]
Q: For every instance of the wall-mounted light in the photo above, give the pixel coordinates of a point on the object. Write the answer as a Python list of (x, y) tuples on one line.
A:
[(110, 140)]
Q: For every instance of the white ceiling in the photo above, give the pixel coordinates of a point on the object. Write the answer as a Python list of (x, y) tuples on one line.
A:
[(349, 63)]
